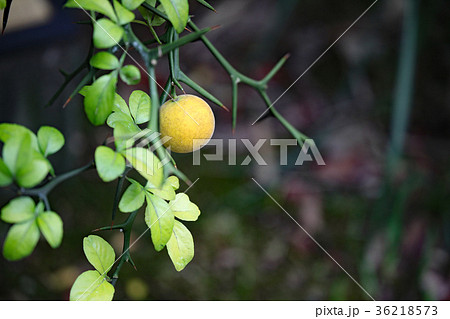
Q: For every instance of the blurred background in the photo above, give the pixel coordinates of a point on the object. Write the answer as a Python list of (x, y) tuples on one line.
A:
[(388, 226)]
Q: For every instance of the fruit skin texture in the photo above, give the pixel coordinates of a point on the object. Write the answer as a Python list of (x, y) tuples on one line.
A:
[(176, 119)]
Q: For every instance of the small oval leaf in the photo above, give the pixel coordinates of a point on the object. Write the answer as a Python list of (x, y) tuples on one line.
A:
[(50, 140), (160, 220), (183, 208), (124, 16), (99, 98), (106, 33), (166, 192), (91, 286), (110, 164), (51, 226), (132, 199), (132, 4), (178, 13), (130, 74), (21, 240), (18, 210), (102, 6), (104, 61), (99, 253), (147, 164), (180, 246), (5, 174), (140, 105), (34, 172)]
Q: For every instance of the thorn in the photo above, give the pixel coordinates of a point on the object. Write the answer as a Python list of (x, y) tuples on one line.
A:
[(287, 56), (215, 27), (188, 30), (112, 224), (130, 261), (67, 102), (225, 108), (233, 130)]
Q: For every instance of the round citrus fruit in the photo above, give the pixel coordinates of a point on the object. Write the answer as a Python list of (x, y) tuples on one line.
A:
[(188, 121)]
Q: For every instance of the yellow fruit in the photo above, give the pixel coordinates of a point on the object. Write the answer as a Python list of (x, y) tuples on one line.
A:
[(189, 121)]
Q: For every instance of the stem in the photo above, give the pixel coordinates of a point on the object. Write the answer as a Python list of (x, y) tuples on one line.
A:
[(295, 133), (154, 111), (47, 188), (234, 87), (405, 83), (125, 257), (70, 76), (225, 64), (118, 190)]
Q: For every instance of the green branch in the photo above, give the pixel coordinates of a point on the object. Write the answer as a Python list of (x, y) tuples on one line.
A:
[(47, 188), (68, 77), (125, 257)]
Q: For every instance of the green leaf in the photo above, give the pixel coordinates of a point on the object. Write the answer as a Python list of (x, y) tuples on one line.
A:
[(99, 253), (18, 210), (2, 4), (180, 246), (110, 164), (39, 208), (149, 17), (123, 134), (51, 227), (83, 91), (11, 130), (106, 33), (157, 20), (177, 11), (50, 140), (5, 174), (124, 16), (33, 172), (174, 182), (132, 199), (132, 4), (119, 117), (91, 286), (102, 6), (99, 99), (27, 165), (183, 208), (21, 240), (105, 61), (17, 152), (167, 191), (160, 220), (130, 75), (140, 106), (147, 164), (146, 14), (120, 105)]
